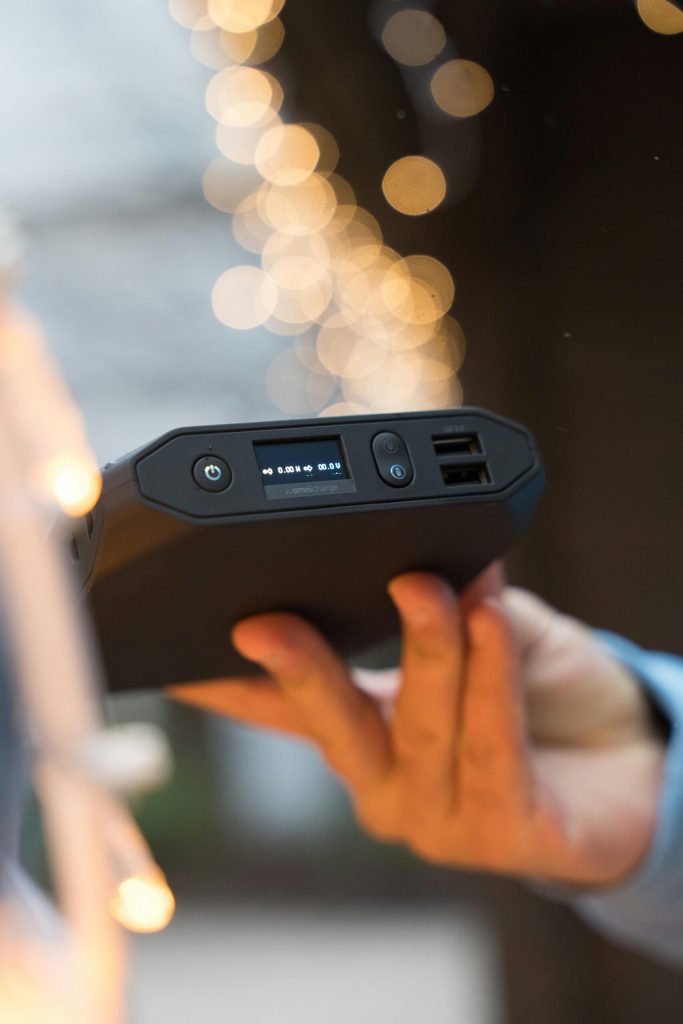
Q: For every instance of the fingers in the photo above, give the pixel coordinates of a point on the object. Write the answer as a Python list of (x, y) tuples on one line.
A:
[(489, 583), (344, 722), (256, 702), (492, 758), (424, 722)]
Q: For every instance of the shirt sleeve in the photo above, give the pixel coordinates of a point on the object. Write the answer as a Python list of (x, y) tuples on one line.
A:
[(646, 911)]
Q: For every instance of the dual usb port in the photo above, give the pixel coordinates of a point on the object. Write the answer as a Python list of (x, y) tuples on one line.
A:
[(467, 471)]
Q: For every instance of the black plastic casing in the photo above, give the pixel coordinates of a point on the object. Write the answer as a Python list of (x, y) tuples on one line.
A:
[(167, 568)]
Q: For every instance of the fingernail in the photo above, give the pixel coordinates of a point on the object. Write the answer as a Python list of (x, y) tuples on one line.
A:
[(410, 610), (421, 612)]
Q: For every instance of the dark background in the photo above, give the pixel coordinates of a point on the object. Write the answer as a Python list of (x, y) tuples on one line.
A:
[(567, 254)]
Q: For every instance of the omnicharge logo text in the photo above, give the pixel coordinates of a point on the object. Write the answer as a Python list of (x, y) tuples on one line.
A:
[(294, 490), (306, 490)]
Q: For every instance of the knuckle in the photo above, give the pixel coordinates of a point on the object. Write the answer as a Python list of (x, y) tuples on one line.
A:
[(485, 800), (433, 645), (422, 735), (479, 753)]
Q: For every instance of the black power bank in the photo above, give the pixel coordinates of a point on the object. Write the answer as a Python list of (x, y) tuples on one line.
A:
[(208, 525)]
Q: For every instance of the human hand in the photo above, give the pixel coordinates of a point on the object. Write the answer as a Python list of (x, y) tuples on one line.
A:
[(515, 743)]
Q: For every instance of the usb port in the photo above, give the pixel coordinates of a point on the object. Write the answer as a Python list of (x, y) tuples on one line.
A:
[(465, 475), (457, 444)]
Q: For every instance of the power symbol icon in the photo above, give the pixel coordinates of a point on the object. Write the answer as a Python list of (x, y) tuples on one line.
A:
[(212, 473)]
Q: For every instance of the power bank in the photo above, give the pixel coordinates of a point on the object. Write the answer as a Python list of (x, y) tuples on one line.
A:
[(208, 525)]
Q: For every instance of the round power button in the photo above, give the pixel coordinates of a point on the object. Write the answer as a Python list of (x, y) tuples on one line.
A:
[(212, 473)]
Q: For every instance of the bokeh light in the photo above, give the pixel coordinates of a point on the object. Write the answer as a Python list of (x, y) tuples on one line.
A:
[(344, 409), (74, 483), (344, 194), (286, 154), (269, 39), (295, 260), (462, 88), (365, 323), (414, 185), (328, 150), (450, 340), (403, 383), (306, 208), (413, 37), (296, 392), (248, 226), (255, 47), (243, 15), (207, 49), (420, 288), (661, 16), (242, 96), (238, 47), (244, 297), (191, 14), (239, 144), (346, 353), (299, 307), (227, 185), (143, 903)]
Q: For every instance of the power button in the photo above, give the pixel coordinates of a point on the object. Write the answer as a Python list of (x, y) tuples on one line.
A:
[(212, 473), (392, 459)]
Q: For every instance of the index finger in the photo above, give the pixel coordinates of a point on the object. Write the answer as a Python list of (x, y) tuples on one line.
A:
[(345, 723)]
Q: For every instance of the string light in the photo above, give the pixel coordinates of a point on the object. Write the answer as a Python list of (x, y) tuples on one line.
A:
[(356, 309), (75, 483), (144, 903)]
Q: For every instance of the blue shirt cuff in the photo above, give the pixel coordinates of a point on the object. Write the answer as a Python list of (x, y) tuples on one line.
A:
[(646, 911)]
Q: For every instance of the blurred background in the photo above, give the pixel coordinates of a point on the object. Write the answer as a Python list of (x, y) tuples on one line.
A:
[(562, 227)]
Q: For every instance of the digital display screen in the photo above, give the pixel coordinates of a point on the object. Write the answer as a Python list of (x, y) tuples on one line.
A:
[(291, 469)]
